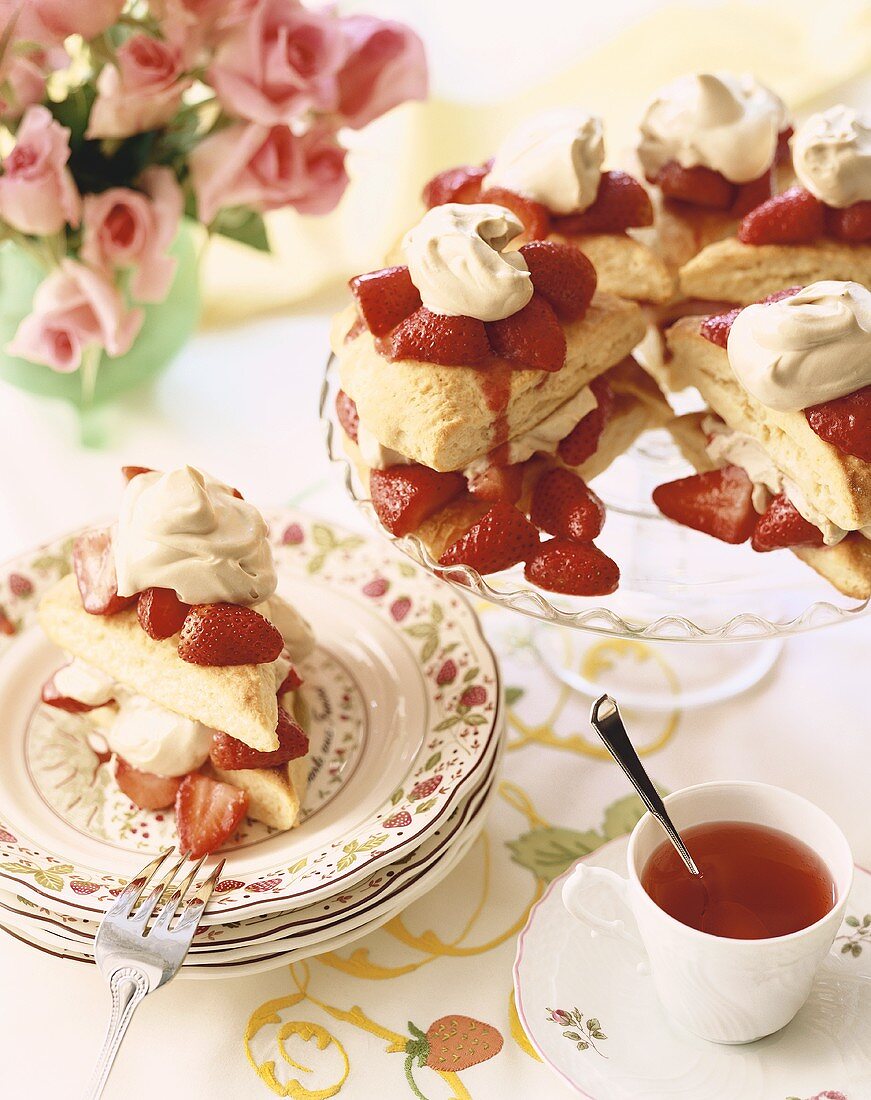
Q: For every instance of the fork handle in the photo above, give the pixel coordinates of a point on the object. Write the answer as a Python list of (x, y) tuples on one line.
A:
[(128, 987)]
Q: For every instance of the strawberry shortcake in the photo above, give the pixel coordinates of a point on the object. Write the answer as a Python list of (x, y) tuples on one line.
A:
[(183, 658), (482, 387)]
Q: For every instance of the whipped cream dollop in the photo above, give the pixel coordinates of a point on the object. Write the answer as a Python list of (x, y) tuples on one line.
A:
[(79, 680), (186, 531), (157, 740), (725, 121), (554, 158), (811, 347), (455, 258), (831, 154)]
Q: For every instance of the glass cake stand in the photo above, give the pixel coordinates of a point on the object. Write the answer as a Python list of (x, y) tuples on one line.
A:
[(694, 620)]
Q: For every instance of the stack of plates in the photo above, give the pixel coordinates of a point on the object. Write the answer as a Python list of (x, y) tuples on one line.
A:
[(406, 723)]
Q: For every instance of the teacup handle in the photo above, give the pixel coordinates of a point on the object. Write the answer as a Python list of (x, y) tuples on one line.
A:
[(585, 878)]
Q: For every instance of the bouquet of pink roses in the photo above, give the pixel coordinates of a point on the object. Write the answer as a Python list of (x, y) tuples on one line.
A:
[(120, 117)]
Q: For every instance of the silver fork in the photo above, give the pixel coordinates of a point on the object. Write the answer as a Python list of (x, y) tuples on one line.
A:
[(136, 959)]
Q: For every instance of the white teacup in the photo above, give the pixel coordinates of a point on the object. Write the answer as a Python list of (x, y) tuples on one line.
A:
[(724, 990)]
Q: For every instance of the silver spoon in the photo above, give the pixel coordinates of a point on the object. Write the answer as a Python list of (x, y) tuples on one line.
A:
[(606, 721)]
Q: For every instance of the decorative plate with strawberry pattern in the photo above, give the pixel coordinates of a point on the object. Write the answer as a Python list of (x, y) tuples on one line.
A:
[(404, 698)]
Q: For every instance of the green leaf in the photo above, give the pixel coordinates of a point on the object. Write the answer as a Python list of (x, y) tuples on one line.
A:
[(421, 630), (513, 694), (582, 1045), (846, 949), (323, 536), (622, 816), (422, 807), (866, 920), (599, 1034), (476, 720), (373, 842), (857, 950), (405, 570), (351, 543), (242, 225), (592, 1024), (549, 851), (316, 563), (433, 760), (853, 922), (429, 648), (345, 862), (17, 868), (396, 796), (446, 724), (298, 866), (48, 880), (573, 1035), (436, 614), (470, 675)]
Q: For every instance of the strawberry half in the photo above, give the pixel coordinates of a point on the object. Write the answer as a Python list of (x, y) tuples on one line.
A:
[(129, 472), (793, 217), (349, 418), (562, 275), (697, 186), (563, 505), (231, 754), (160, 612), (532, 337), (534, 216), (501, 538), (621, 203), (94, 566), (852, 223), (207, 813), (753, 194), (781, 525), (718, 502), (53, 698), (404, 496), (462, 184), (144, 789), (582, 441), (503, 483), (434, 338), (291, 682), (572, 568), (845, 423), (228, 634), (385, 298)]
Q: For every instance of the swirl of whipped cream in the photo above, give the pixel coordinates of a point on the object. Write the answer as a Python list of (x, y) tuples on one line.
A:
[(158, 740), (812, 347), (186, 531), (723, 121), (455, 259), (554, 158), (831, 153)]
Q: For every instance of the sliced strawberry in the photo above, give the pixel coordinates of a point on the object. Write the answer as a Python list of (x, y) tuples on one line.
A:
[(160, 612), (385, 298), (433, 338), (535, 216), (291, 681), (563, 505), (231, 754), (532, 337), (94, 566), (501, 538), (753, 194), (503, 483), (562, 275), (144, 789), (130, 472), (781, 524), (346, 410), (228, 634), (697, 186), (717, 327), (207, 813), (462, 184), (718, 502), (852, 223), (793, 217), (572, 568), (53, 698), (582, 441), (621, 203), (404, 496), (845, 423)]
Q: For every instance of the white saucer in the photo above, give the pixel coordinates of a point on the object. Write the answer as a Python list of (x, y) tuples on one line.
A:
[(631, 1049)]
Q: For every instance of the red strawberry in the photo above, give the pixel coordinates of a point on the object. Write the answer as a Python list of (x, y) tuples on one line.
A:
[(582, 441), (535, 217), (160, 612), (494, 483), (852, 223), (144, 789), (461, 184), (53, 698), (116, 890), (753, 194), (225, 885), (228, 634), (532, 337), (425, 788), (375, 588), (6, 837), (562, 275), (573, 568), (291, 681), (264, 885), (130, 472), (718, 503), (433, 338), (404, 496), (474, 696), (400, 608), (20, 585), (454, 1043), (781, 524), (79, 886), (94, 566), (7, 626), (621, 202), (563, 505), (698, 186), (385, 298), (501, 538), (845, 423), (397, 820), (293, 535), (447, 673), (717, 328), (349, 418), (793, 217), (207, 813), (231, 754)]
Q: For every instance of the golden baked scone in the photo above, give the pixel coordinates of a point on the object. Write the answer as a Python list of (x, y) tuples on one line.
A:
[(274, 794), (238, 699), (625, 266), (439, 415)]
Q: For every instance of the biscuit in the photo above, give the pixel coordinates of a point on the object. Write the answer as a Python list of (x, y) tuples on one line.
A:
[(624, 266)]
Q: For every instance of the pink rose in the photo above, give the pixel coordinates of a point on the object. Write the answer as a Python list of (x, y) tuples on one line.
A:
[(282, 61), (268, 168), (75, 308), (142, 93), (194, 25), (51, 21), (37, 191), (22, 83), (134, 229), (386, 65)]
